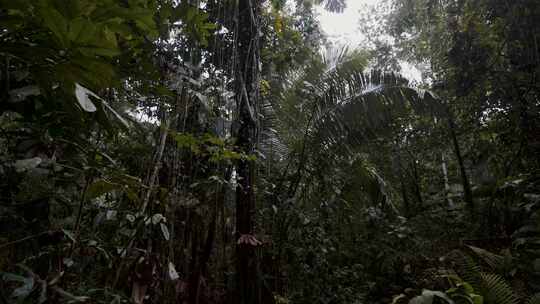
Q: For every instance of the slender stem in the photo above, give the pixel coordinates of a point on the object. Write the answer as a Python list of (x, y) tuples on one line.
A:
[(157, 165), (2, 246), (151, 182), (79, 215)]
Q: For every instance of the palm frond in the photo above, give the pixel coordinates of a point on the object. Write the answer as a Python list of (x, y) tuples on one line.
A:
[(496, 290), (466, 268), (353, 104), (270, 145), (357, 107), (336, 110), (375, 186), (494, 261)]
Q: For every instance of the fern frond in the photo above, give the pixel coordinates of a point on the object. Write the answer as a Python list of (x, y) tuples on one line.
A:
[(494, 261), (466, 268), (496, 290)]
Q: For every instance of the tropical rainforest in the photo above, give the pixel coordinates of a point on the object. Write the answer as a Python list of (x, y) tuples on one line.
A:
[(223, 151)]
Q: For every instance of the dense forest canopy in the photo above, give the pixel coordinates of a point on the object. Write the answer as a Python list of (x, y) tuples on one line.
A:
[(219, 151)]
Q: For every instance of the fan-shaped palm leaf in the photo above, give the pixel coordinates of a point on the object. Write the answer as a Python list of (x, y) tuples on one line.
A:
[(334, 113), (355, 107), (493, 260), (466, 268), (496, 290)]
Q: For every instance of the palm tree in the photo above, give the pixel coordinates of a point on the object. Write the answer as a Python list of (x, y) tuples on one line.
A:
[(332, 111)]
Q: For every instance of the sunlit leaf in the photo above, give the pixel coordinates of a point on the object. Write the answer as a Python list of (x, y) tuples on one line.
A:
[(27, 164), (165, 231), (83, 97), (100, 187), (173, 274)]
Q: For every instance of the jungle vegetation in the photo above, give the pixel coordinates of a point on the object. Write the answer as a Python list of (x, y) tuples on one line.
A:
[(219, 151)]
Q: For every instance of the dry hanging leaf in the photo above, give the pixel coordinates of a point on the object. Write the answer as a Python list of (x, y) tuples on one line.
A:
[(173, 275), (248, 239), (138, 292)]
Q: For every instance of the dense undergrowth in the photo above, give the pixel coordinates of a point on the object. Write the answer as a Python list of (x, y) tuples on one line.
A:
[(156, 151)]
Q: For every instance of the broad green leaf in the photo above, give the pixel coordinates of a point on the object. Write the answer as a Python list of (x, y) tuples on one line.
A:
[(95, 70), (132, 195), (163, 90), (100, 187), (95, 51), (122, 29), (55, 22), (427, 297), (477, 299), (76, 26), (21, 5), (87, 33), (11, 22), (466, 286)]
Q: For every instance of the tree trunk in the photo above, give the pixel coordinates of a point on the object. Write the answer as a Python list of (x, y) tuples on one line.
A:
[(468, 197), (247, 92), (446, 181), (404, 197), (416, 181)]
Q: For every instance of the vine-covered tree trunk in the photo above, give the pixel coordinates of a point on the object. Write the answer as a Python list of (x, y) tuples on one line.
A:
[(247, 91), (467, 192)]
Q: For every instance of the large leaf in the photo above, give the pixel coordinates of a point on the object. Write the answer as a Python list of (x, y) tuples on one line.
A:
[(356, 107), (21, 94), (100, 187), (496, 290), (83, 97), (427, 297), (173, 274), (23, 291), (494, 261), (27, 164), (55, 22)]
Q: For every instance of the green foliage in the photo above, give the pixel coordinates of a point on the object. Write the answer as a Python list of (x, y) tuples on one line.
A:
[(463, 292), (194, 21), (496, 290), (22, 292), (132, 163), (73, 44), (467, 269), (427, 297), (210, 146)]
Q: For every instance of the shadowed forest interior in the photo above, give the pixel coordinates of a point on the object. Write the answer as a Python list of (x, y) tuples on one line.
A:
[(229, 151)]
